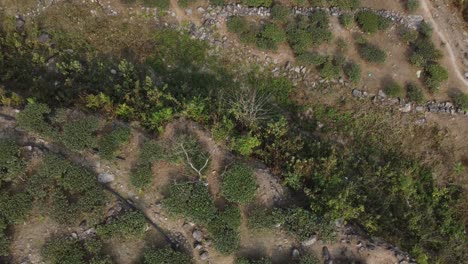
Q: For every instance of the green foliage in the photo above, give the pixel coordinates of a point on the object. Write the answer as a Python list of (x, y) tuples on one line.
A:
[(414, 93), (300, 222), (312, 58), (346, 20), (237, 24), (80, 134), (409, 35), (371, 53), (142, 176), (424, 52), (217, 2), (14, 206), (61, 250), (370, 22), (330, 70), (72, 190), (238, 184), (242, 260), (393, 89), (309, 259), (345, 4), (435, 74), (12, 164), (261, 218), (165, 256), (64, 250), (425, 29), (163, 4), (4, 245), (193, 201), (280, 13), (257, 3), (461, 100), (150, 152), (110, 143), (353, 72), (304, 33), (224, 229), (245, 145), (412, 5), (32, 119), (183, 3), (130, 224), (270, 35)]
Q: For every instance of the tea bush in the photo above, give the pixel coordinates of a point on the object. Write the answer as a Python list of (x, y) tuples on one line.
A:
[(393, 89), (435, 75), (12, 164), (32, 119), (346, 20), (238, 184), (414, 93), (371, 53), (353, 72), (110, 143), (461, 100), (280, 13), (371, 22), (165, 256), (257, 3), (80, 134), (130, 224)]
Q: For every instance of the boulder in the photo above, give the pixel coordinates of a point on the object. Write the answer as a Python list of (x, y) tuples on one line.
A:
[(197, 235), (106, 177)]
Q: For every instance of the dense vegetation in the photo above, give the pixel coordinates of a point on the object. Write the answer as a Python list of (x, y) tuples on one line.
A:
[(369, 181)]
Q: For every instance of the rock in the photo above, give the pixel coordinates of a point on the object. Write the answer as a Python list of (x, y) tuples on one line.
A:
[(420, 108), (418, 74), (382, 94), (106, 177), (296, 253), (204, 255), (466, 75), (357, 93), (113, 71), (19, 23), (197, 235), (406, 108), (309, 242), (43, 38), (326, 254), (188, 11), (198, 246), (201, 9)]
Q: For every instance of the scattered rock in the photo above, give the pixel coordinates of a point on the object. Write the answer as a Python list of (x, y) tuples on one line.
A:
[(43, 38), (309, 242), (382, 94), (406, 108), (357, 93), (204, 255), (188, 11), (197, 235), (106, 177), (326, 254), (296, 253)]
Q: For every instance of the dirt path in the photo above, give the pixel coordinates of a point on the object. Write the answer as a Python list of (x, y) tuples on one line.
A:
[(453, 59)]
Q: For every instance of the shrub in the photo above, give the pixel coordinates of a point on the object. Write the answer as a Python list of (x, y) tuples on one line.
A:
[(371, 22), (371, 53), (299, 222), (424, 52), (341, 44), (224, 229), (192, 201), (435, 75), (142, 176), (409, 35), (163, 4), (309, 259), (412, 5), (32, 119), (329, 70), (63, 250), (346, 20), (425, 29), (190, 152), (4, 245), (14, 207), (353, 72), (273, 33), (12, 164), (165, 256), (414, 93), (393, 89), (237, 24), (238, 184), (312, 58), (245, 145), (80, 134), (110, 143), (217, 2), (183, 3), (243, 260), (461, 100), (129, 224), (311, 31), (280, 13), (345, 4), (257, 3), (150, 152), (261, 218)]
